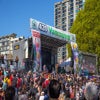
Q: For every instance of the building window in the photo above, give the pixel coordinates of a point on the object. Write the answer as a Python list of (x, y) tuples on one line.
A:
[(63, 22), (63, 8), (1, 49), (64, 26), (56, 6), (59, 16), (63, 53), (64, 11), (64, 48), (63, 19), (63, 4), (63, 14), (56, 21), (64, 29), (7, 47), (4, 48), (6, 43), (58, 12), (56, 9), (71, 4), (3, 43), (71, 0), (80, 2), (71, 8), (69, 13), (77, 3), (80, 6), (0, 44), (71, 20)]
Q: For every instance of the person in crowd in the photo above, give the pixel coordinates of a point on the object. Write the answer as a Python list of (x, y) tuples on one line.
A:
[(46, 82), (91, 91), (32, 92), (77, 94), (14, 80), (8, 81), (72, 93), (54, 89), (67, 91), (10, 93), (56, 67), (23, 95), (4, 81), (19, 82), (46, 96), (62, 96), (41, 96), (39, 88), (62, 86), (1, 93)]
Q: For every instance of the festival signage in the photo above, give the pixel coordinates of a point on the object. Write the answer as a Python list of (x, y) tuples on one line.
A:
[(88, 62), (51, 31), (37, 49), (75, 56)]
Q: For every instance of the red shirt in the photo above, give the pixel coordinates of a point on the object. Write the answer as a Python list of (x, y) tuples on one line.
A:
[(19, 82)]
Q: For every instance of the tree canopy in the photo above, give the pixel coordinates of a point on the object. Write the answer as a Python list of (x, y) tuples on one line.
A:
[(87, 27)]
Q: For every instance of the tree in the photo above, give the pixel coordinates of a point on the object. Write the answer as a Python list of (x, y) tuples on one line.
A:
[(87, 27)]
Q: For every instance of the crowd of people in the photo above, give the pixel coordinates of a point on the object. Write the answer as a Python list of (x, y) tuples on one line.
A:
[(20, 85)]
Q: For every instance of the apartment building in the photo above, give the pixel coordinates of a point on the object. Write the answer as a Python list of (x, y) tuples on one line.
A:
[(6, 45), (65, 13)]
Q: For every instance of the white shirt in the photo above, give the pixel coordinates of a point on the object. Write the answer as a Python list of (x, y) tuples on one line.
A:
[(41, 98)]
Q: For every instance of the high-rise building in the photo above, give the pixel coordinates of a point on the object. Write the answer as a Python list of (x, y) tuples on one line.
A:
[(65, 13)]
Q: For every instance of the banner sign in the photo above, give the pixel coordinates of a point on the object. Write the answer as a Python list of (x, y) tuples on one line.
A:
[(51, 31), (36, 49), (75, 56), (88, 62)]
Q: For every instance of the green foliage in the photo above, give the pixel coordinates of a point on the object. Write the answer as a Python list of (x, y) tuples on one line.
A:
[(69, 50), (87, 27)]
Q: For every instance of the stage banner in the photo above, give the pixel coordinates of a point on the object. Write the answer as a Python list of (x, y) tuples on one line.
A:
[(36, 49), (75, 57)]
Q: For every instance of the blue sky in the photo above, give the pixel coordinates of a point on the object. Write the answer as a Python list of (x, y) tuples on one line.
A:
[(15, 15)]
